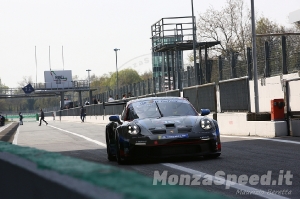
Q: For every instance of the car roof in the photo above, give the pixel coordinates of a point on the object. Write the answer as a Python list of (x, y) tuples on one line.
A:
[(155, 98)]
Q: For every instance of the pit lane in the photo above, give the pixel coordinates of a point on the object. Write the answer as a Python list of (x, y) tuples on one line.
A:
[(240, 156)]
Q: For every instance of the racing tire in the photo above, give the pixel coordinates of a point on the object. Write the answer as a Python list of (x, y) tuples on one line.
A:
[(110, 157), (120, 160)]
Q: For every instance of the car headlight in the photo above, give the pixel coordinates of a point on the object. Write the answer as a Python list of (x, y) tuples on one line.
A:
[(133, 129), (206, 124)]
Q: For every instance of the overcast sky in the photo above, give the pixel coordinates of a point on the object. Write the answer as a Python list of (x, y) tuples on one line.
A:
[(89, 30)]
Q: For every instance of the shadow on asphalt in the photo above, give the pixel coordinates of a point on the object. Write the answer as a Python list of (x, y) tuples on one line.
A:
[(7, 135)]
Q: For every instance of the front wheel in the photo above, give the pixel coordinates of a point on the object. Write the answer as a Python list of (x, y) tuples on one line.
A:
[(110, 156), (121, 160)]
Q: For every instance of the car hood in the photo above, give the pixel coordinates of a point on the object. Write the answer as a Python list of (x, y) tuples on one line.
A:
[(163, 122)]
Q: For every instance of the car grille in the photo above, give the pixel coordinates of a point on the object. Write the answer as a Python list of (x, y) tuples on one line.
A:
[(180, 150), (184, 130), (172, 150), (161, 131)]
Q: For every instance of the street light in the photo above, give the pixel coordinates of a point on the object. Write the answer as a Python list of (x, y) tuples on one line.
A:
[(197, 80), (88, 70), (256, 98), (73, 84), (116, 50)]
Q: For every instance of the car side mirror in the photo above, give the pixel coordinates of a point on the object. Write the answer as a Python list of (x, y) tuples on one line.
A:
[(204, 112), (115, 118)]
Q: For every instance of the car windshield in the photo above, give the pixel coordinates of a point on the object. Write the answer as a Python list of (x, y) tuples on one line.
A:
[(163, 108)]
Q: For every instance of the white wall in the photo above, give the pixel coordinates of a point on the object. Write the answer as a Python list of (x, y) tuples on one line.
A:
[(294, 87), (271, 88), (237, 124)]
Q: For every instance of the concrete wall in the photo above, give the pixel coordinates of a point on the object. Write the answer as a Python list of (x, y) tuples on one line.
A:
[(237, 124), (294, 95), (295, 127), (271, 88)]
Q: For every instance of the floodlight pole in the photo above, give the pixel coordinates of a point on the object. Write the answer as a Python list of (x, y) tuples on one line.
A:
[(116, 50), (88, 70), (194, 44), (35, 67), (256, 99)]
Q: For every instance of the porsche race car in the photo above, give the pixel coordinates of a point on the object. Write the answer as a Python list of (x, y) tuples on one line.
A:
[(159, 127)]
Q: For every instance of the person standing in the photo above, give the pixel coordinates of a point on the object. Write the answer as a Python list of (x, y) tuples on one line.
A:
[(82, 113), (129, 95), (110, 99), (21, 118), (95, 101), (42, 117), (2, 120)]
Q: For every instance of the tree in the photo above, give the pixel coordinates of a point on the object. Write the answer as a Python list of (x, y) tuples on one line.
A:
[(46, 102), (109, 81), (265, 30), (265, 26), (125, 77), (3, 106), (231, 26), (147, 75), (101, 83)]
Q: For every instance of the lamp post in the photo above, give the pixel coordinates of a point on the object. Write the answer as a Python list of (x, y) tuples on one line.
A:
[(256, 98), (116, 50), (197, 80), (88, 70)]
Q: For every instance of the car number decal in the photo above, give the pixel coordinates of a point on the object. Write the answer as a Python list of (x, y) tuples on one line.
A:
[(160, 137)]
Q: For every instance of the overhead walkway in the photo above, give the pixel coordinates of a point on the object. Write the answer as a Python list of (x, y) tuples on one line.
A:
[(48, 90)]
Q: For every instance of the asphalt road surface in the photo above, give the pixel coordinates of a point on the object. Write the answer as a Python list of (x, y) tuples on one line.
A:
[(249, 167)]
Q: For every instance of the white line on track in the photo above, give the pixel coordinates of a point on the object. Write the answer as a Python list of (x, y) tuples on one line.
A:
[(261, 138), (253, 191), (6, 126), (15, 140), (84, 137), (237, 186)]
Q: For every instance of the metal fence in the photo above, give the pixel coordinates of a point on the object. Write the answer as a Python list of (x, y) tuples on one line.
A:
[(275, 56), (235, 95), (280, 55), (202, 96)]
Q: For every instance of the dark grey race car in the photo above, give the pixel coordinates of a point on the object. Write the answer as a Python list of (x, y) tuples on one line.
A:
[(159, 127)]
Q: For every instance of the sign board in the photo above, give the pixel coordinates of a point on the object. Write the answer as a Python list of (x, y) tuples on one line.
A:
[(294, 16), (28, 89), (58, 79)]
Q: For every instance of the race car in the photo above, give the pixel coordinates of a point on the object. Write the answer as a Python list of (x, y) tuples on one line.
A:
[(161, 127)]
